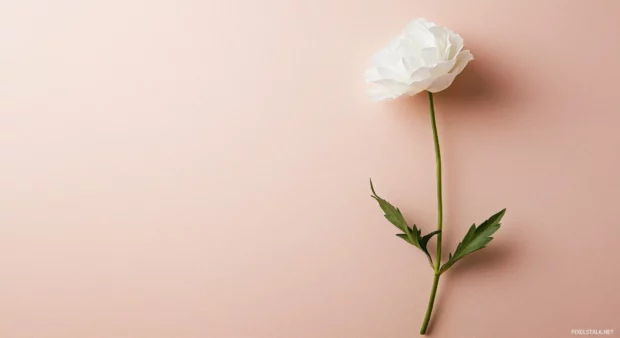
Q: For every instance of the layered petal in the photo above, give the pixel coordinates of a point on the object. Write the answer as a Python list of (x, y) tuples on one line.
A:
[(444, 81), (423, 57)]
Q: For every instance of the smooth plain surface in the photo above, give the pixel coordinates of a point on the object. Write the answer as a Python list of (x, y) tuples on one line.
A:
[(199, 169)]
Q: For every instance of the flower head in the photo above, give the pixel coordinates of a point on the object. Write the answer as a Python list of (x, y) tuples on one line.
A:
[(423, 57)]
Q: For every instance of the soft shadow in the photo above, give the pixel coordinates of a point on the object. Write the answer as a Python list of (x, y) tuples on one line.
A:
[(486, 80), (486, 89), (485, 260)]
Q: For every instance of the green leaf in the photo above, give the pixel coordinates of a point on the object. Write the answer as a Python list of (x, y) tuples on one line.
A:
[(392, 213), (413, 235), (416, 239), (476, 238)]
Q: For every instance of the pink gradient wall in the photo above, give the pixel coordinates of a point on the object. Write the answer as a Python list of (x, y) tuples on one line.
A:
[(199, 169)]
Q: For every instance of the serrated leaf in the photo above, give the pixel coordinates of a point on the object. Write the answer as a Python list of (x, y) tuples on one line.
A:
[(476, 238), (416, 239), (413, 235), (392, 213)]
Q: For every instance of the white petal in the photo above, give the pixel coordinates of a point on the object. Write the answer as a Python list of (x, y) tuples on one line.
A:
[(423, 57), (384, 58), (379, 74), (443, 68), (387, 91), (412, 63), (386, 65), (418, 33), (442, 41), (421, 74), (456, 44), (431, 72), (430, 56), (446, 80), (419, 86)]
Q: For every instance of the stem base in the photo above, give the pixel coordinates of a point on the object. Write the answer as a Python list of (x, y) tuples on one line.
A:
[(431, 302)]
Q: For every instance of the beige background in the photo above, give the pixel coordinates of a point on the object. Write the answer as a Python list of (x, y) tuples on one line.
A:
[(192, 169)]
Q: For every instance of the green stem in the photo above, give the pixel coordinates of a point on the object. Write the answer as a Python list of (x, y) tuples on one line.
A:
[(439, 196), (431, 301)]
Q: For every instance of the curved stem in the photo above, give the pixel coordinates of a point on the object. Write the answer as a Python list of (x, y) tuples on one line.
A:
[(439, 196), (431, 301)]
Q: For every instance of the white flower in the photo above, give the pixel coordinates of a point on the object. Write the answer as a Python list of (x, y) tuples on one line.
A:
[(424, 57)]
